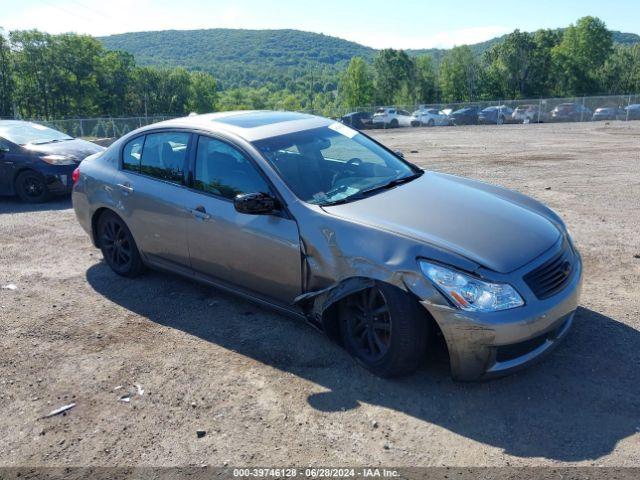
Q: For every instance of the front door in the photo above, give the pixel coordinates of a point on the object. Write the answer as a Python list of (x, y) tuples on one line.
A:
[(258, 253)]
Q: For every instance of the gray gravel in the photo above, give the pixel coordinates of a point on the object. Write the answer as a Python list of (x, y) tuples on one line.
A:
[(270, 391)]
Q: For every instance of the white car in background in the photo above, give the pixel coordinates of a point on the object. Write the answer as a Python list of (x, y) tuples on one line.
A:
[(391, 118), (429, 117)]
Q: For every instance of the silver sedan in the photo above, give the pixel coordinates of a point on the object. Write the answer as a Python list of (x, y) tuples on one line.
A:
[(307, 216)]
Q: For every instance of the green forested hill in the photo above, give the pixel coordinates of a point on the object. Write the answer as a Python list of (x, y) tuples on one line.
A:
[(247, 57), (479, 48), (251, 58)]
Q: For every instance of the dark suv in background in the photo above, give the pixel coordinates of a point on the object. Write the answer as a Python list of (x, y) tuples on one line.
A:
[(465, 116), (570, 112), (496, 115), (358, 120), (609, 113)]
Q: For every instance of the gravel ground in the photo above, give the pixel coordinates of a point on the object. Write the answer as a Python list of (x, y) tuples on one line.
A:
[(268, 390)]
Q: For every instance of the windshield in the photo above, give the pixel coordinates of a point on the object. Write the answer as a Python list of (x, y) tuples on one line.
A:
[(333, 164), (24, 133)]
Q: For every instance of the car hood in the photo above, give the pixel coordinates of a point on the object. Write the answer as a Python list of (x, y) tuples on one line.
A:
[(468, 218), (77, 148)]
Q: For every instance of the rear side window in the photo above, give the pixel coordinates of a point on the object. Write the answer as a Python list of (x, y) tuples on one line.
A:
[(223, 170), (132, 153), (164, 154)]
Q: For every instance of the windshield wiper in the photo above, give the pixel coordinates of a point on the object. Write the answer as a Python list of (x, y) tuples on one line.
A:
[(369, 191)]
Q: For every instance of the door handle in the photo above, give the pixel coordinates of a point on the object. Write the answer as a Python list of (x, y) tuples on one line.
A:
[(199, 212), (126, 188)]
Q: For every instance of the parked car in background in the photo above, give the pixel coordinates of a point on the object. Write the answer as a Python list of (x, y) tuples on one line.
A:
[(358, 120), (632, 112), (315, 219), (608, 113), (495, 115), (528, 114), (465, 116), (570, 112), (429, 117), (36, 162), (391, 118)]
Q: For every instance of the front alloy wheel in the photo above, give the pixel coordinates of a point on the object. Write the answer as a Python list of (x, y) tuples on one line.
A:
[(369, 324), (31, 187), (385, 329)]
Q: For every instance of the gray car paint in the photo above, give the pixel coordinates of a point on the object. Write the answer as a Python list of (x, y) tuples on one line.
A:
[(486, 230)]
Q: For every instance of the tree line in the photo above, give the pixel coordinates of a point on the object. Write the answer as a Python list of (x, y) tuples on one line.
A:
[(58, 76), (580, 60), (69, 75)]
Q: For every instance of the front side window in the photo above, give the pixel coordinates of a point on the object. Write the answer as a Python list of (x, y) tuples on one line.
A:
[(332, 164), (4, 145), (164, 154), (225, 171)]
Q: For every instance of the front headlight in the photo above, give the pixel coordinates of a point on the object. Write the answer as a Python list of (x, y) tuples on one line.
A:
[(58, 159), (469, 293)]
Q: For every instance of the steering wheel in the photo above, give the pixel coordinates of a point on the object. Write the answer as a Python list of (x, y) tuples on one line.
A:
[(348, 170), (355, 162)]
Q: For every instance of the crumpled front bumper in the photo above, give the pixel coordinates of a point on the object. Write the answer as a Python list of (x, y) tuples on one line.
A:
[(485, 345)]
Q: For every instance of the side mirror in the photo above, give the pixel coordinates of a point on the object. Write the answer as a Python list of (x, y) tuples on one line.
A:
[(399, 153), (255, 203)]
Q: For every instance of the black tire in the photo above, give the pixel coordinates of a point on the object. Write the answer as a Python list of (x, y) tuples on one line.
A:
[(393, 123), (31, 187), (118, 246), (430, 123), (384, 329)]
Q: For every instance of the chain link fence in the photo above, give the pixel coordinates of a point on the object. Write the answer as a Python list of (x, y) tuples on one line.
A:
[(102, 127), (575, 109), (547, 110)]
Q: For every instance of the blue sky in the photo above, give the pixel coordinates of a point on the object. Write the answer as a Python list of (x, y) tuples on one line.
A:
[(377, 23)]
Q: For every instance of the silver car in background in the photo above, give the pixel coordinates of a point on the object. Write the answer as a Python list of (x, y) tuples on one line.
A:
[(317, 220), (429, 117)]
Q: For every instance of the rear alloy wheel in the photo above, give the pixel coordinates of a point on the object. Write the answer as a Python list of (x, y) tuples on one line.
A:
[(118, 246), (31, 187), (384, 329), (430, 123)]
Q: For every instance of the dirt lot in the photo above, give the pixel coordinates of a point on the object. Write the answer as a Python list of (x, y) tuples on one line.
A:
[(271, 391)]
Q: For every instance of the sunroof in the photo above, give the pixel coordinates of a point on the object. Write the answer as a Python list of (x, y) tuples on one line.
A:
[(259, 119)]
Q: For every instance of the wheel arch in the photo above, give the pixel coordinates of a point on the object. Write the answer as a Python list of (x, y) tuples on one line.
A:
[(22, 169), (322, 307)]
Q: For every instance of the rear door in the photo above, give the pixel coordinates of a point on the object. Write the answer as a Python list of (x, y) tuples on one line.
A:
[(152, 195), (258, 253)]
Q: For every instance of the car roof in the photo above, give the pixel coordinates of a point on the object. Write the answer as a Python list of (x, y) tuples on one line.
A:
[(251, 125)]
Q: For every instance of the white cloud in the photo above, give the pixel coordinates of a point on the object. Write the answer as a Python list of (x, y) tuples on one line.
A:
[(117, 16)]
